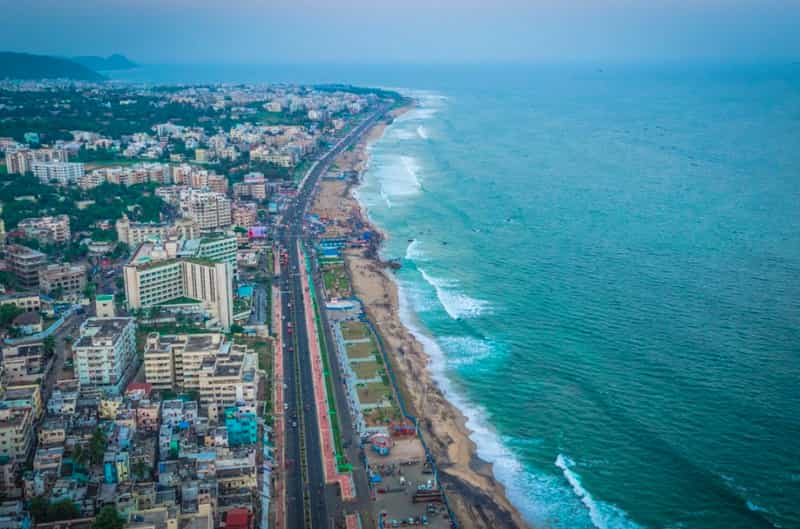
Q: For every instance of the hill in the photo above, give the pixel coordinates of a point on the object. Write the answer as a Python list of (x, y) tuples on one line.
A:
[(29, 66), (100, 64)]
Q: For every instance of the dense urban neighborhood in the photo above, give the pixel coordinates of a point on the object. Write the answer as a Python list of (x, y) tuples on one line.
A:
[(181, 343)]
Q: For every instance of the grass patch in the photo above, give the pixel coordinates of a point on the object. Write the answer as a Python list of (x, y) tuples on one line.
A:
[(354, 330), (373, 393), (366, 370), (337, 284), (361, 350)]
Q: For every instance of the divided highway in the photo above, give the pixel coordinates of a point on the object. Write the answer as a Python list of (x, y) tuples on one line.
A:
[(311, 504)]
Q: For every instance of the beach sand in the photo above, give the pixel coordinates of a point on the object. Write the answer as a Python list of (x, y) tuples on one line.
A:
[(476, 497)]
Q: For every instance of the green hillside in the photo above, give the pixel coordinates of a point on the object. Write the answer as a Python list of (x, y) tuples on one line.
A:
[(29, 66)]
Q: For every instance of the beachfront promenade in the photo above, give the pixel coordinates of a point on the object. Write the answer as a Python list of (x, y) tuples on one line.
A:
[(323, 404)]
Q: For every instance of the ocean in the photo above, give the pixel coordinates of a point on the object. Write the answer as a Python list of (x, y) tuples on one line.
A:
[(604, 265)]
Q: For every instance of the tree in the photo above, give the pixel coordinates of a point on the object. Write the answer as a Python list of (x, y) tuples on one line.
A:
[(79, 454), (108, 518), (43, 511), (57, 293), (49, 345), (62, 510), (8, 312), (97, 446), (38, 508)]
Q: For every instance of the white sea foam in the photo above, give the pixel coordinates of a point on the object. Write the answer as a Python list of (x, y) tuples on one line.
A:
[(466, 350), (541, 499), (414, 251), (602, 515), (457, 304), (422, 133), (401, 134), (544, 499), (398, 177)]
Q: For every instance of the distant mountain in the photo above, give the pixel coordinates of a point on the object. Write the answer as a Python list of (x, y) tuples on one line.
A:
[(101, 64), (28, 66)]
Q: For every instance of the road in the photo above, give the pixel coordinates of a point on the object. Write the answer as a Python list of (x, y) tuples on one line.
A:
[(311, 504)]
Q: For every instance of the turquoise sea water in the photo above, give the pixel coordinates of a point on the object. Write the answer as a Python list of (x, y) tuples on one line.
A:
[(605, 269)]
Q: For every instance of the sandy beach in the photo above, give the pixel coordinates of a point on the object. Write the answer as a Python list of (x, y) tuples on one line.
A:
[(476, 497)]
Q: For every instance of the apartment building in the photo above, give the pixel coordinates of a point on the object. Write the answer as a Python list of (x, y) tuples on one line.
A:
[(244, 214), (26, 302), (50, 230), (16, 433), (59, 173), (134, 233), (68, 279), (175, 360), (25, 264), (211, 210), (222, 373), (104, 352), (20, 161), (229, 377)]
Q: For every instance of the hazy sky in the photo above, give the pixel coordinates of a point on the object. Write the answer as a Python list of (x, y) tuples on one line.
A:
[(380, 31)]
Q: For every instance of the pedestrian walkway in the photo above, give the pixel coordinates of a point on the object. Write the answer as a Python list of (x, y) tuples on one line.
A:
[(332, 474)]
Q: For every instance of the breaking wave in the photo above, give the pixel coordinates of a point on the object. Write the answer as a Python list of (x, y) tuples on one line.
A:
[(457, 304)]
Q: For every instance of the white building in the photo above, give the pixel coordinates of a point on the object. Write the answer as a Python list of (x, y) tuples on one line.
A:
[(104, 352), (173, 277), (211, 211), (62, 173)]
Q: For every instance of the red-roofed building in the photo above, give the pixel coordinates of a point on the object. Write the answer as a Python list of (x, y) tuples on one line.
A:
[(239, 519), (139, 390)]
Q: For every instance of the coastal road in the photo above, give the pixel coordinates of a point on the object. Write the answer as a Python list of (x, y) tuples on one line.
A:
[(311, 503)]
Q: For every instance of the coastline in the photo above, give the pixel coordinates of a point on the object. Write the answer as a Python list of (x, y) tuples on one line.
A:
[(478, 500)]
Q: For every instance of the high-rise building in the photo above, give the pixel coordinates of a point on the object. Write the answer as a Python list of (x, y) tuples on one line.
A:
[(211, 211), (182, 275), (104, 353), (60, 173), (20, 161)]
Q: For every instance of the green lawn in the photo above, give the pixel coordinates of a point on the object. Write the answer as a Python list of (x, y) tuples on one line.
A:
[(337, 284), (361, 350), (3, 169), (354, 330), (373, 393), (366, 370)]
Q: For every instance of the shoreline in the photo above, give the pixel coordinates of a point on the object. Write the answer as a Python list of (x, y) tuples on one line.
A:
[(476, 497)]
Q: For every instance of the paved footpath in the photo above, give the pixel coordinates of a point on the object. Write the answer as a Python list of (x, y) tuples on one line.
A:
[(332, 474)]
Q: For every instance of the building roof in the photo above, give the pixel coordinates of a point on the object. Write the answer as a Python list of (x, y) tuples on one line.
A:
[(27, 318)]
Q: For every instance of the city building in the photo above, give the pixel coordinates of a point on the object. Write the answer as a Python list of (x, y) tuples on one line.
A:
[(104, 353), (25, 264), (244, 214), (63, 281), (49, 230), (20, 161), (60, 173), (104, 306), (224, 374), (168, 276), (133, 233), (16, 433), (211, 211)]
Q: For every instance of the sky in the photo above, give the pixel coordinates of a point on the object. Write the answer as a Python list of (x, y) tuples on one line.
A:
[(405, 31)]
